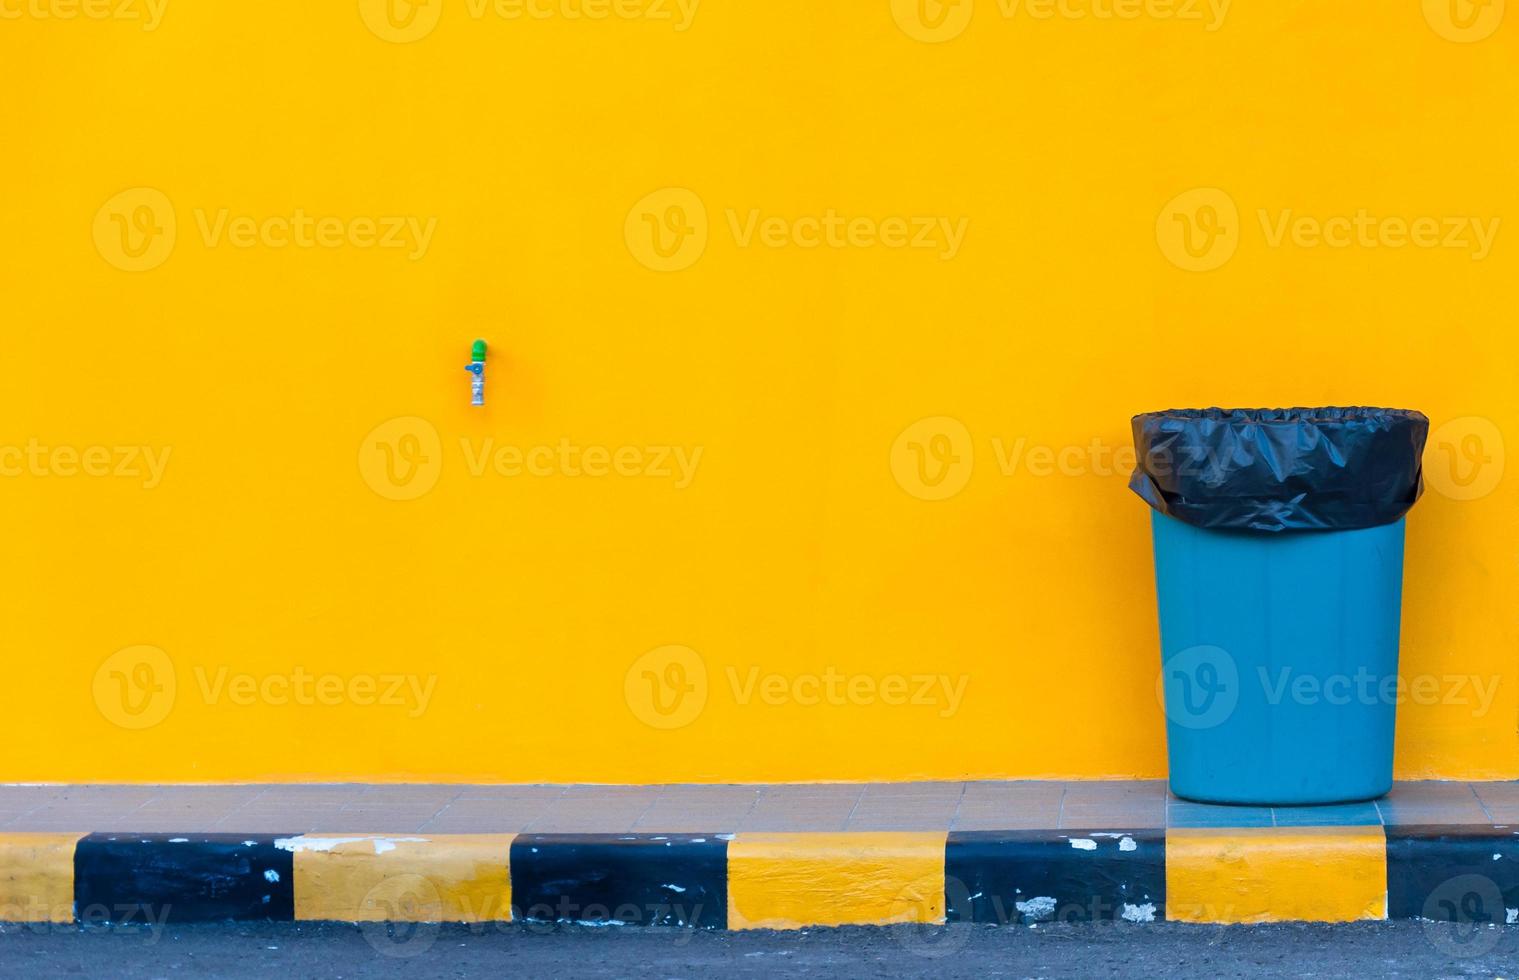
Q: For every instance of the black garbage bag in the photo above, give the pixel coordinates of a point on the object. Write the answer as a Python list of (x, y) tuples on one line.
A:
[(1281, 469)]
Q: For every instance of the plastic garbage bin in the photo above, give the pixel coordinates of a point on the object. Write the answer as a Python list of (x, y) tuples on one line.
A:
[(1278, 540)]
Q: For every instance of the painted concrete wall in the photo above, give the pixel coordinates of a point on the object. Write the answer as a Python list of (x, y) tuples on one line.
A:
[(816, 330)]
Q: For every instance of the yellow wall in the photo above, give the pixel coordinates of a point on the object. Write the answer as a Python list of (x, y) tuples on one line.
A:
[(533, 610)]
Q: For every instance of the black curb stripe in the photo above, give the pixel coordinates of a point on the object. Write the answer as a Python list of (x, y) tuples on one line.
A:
[(1446, 873), (1465, 874), (1105, 875), (638, 879), (183, 878)]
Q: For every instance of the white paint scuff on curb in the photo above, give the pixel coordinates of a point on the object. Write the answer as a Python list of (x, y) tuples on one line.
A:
[(381, 844), (1037, 909)]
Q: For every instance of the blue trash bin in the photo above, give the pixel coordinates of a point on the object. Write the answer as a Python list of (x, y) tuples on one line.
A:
[(1278, 539), (1280, 661)]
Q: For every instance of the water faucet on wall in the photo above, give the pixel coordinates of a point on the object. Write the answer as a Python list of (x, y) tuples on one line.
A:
[(476, 368)]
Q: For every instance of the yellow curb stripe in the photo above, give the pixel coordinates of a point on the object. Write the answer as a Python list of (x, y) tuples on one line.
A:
[(403, 877), (790, 881), (1309, 874), (37, 877)]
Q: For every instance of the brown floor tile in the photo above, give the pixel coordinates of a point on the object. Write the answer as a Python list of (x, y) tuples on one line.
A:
[(674, 808), (900, 822), (1006, 821)]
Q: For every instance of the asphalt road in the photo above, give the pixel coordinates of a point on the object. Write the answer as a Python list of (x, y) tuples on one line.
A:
[(1382, 949)]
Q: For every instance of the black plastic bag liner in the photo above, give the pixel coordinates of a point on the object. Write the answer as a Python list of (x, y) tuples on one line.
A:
[(1270, 470)]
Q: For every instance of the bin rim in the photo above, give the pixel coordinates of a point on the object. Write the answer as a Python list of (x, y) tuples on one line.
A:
[(1321, 415), (1274, 470)]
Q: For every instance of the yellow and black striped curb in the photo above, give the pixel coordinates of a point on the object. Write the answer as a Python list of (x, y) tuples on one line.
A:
[(770, 880)]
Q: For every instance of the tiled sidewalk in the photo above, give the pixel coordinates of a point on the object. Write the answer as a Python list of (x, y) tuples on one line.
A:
[(444, 809)]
